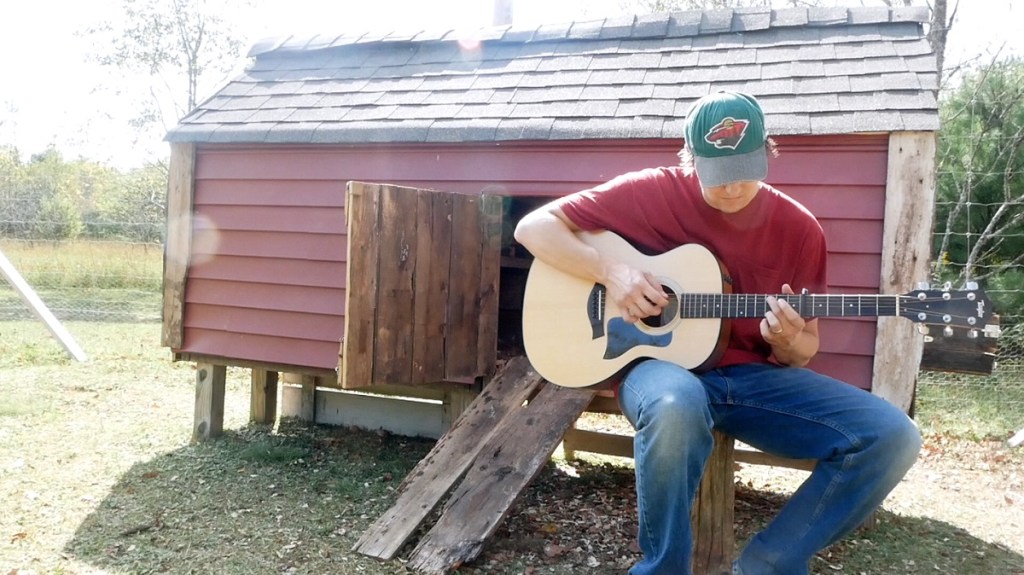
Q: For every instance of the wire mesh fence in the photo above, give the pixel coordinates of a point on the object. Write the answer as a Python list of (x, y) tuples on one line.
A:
[(981, 404), (107, 281)]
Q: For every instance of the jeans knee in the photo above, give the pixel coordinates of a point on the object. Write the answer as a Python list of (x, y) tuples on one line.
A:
[(679, 401), (666, 398), (910, 438), (901, 439)]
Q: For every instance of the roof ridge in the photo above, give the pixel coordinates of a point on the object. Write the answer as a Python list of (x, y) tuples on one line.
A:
[(815, 71), (655, 25)]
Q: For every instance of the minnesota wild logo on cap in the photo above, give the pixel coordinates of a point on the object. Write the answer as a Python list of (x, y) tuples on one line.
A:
[(727, 134)]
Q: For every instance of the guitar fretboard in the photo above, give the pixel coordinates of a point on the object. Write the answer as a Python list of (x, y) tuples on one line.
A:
[(807, 305)]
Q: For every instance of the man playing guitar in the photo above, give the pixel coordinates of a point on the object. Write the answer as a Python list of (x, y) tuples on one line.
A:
[(758, 389)]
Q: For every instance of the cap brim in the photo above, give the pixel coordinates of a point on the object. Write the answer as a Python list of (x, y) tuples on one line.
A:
[(714, 172)]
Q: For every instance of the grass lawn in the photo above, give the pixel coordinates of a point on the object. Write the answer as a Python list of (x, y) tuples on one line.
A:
[(98, 476)]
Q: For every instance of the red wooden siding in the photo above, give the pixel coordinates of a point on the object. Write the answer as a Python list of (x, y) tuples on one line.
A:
[(267, 269), (267, 280)]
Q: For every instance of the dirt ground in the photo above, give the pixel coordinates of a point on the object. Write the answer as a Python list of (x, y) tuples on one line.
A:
[(976, 486), (979, 485)]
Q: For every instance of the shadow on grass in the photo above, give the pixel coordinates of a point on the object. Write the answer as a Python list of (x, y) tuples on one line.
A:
[(296, 501), (253, 501)]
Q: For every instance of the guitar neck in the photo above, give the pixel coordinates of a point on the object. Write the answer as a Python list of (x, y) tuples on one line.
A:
[(807, 305)]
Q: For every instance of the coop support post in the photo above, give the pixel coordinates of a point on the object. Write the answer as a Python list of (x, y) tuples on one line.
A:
[(307, 401), (456, 401), (263, 396), (713, 510), (209, 413)]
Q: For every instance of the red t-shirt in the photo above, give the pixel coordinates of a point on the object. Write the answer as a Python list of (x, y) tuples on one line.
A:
[(772, 241)]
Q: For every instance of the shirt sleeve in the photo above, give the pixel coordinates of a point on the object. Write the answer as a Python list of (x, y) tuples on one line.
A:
[(638, 206), (812, 270), (603, 207)]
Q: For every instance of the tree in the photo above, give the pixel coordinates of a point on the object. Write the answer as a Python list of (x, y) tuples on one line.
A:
[(185, 46), (7, 113), (49, 198), (980, 208), (938, 32), (133, 210), (53, 200), (14, 213)]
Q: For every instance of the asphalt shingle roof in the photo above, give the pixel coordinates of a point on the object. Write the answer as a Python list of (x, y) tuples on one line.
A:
[(814, 70)]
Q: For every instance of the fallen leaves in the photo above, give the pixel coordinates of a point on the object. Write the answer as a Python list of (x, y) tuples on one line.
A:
[(552, 550)]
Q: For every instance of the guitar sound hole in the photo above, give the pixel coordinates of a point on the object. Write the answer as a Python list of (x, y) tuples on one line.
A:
[(668, 313)]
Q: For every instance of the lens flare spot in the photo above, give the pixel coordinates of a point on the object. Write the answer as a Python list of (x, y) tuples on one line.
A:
[(192, 240), (469, 43)]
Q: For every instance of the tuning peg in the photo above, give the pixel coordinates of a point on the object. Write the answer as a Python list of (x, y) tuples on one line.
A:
[(923, 329), (947, 331), (972, 334), (923, 286), (947, 286), (971, 286)]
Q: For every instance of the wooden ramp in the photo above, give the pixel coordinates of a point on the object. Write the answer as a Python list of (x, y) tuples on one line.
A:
[(500, 443)]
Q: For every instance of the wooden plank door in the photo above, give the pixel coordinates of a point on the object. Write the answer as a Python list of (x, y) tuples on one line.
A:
[(422, 292)]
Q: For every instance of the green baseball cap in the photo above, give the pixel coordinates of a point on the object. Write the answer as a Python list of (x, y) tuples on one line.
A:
[(725, 133)]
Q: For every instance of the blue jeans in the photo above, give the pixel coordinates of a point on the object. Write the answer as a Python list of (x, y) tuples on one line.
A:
[(863, 444)]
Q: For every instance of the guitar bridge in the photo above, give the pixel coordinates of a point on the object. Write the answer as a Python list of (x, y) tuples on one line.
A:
[(595, 311)]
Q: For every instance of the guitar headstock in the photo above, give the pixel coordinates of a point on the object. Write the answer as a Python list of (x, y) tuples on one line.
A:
[(968, 308)]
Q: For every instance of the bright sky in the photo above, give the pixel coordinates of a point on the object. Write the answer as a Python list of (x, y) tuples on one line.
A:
[(51, 95)]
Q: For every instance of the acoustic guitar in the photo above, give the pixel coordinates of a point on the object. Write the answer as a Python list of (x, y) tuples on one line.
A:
[(575, 337)]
